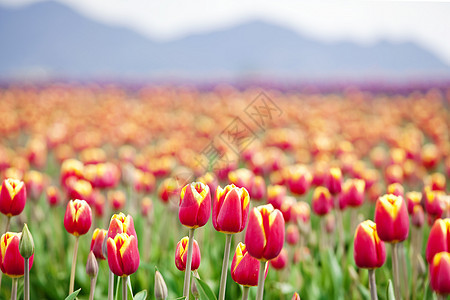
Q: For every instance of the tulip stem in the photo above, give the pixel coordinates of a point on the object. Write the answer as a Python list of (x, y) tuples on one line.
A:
[(226, 258), (111, 285), (261, 278), (245, 291), (441, 297), (14, 288), (395, 270), (187, 274), (92, 291), (26, 279), (8, 222), (74, 263), (372, 285), (124, 288)]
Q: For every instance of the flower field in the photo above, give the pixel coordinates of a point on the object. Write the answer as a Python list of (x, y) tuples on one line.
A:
[(169, 192)]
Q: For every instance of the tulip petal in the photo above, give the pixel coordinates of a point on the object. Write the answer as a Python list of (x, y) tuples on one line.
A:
[(130, 255), (113, 262)]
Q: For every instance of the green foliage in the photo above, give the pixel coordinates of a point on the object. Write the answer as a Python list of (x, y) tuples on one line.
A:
[(204, 290), (74, 295)]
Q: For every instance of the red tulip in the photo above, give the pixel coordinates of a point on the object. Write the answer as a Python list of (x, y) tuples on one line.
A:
[(79, 189), (392, 219), (418, 216), (121, 224), (287, 207), (333, 181), (181, 255), (195, 205), (396, 189), (298, 179), (292, 234), (242, 178), (71, 168), (11, 262), (209, 179), (13, 196), (440, 273), (53, 195), (295, 296), (322, 202), (275, 195), (369, 251), (117, 199), (436, 181), (230, 209), (167, 189), (353, 192), (279, 262), (413, 199), (265, 232), (244, 267), (258, 189), (439, 238), (78, 217), (34, 181), (123, 254), (97, 242)]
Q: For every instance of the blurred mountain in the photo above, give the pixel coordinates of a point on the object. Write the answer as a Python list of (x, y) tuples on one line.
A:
[(50, 38)]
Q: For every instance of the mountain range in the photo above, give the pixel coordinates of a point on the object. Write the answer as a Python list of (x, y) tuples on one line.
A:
[(51, 39)]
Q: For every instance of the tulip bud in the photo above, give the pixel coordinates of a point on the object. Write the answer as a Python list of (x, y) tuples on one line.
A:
[(439, 238), (299, 179), (265, 232), (26, 244), (333, 181), (369, 251), (97, 243), (295, 296), (91, 265), (11, 262), (195, 205), (161, 292), (392, 219), (413, 199), (440, 273), (181, 255), (279, 262), (353, 192), (275, 195), (322, 202), (230, 209), (194, 289), (418, 216), (123, 254), (78, 217), (13, 196), (395, 189), (244, 267)]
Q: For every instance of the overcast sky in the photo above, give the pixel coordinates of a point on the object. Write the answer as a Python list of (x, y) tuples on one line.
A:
[(425, 22)]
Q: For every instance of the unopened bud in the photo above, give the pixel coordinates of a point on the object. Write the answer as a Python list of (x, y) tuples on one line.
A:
[(160, 287), (295, 296), (26, 244), (91, 265), (194, 289)]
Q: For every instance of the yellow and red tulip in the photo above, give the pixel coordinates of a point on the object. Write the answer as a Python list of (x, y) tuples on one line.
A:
[(439, 238), (440, 273), (34, 181), (121, 224), (181, 252), (418, 216), (333, 180), (13, 196), (298, 179), (53, 195), (265, 232), (117, 199), (396, 189), (243, 178), (276, 195), (287, 207), (230, 209), (322, 202), (353, 193), (368, 251), (123, 254), (167, 189), (258, 191), (244, 267), (78, 217), (97, 242), (391, 217), (194, 205), (436, 181), (412, 199), (292, 234), (71, 168), (11, 262), (280, 262)]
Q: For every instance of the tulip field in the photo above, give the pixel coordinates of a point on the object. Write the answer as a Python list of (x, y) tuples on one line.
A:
[(178, 192)]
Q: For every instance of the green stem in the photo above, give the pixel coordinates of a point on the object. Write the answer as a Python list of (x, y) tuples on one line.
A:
[(74, 263), (261, 278), (226, 258), (245, 291), (111, 285), (14, 288), (441, 297), (124, 288), (187, 274), (92, 291), (8, 223), (395, 270), (26, 278), (404, 270), (372, 285), (117, 287)]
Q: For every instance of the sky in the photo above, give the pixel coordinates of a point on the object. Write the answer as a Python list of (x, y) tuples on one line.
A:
[(364, 22)]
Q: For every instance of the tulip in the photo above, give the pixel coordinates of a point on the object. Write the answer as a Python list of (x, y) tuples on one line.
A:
[(258, 191), (439, 239), (79, 189), (26, 250), (167, 189), (97, 242), (322, 202), (392, 221), (144, 182), (292, 234), (353, 192), (53, 196), (279, 262), (440, 274), (244, 267), (13, 196), (123, 254), (433, 203), (295, 296), (77, 221), (436, 181), (11, 262), (393, 173), (121, 224), (92, 272), (160, 287), (195, 205), (417, 216), (299, 179), (71, 168), (34, 181), (333, 181), (117, 199), (181, 254), (264, 238), (209, 179), (413, 199), (396, 189), (275, 195), (287, 207), (242, 178)]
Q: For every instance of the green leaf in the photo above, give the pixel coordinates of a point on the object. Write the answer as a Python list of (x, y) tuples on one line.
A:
[(365, 293), (204, 290), (73, 295), (142, 295), (390, 291)]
